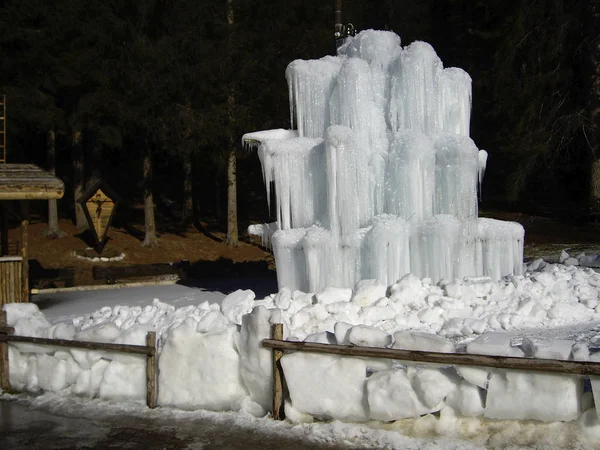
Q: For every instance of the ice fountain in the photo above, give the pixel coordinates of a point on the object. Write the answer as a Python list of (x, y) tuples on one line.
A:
[(380, 177)]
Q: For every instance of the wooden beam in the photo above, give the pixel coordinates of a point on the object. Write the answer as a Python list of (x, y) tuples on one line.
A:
[(4, 363), (278, 406), (151, 370), (499, 362), (137, 349), (24, 255)]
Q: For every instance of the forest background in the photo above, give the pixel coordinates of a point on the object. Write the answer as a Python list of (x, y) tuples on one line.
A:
[(153, 96)]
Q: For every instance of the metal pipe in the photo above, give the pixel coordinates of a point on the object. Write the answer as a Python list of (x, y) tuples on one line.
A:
[(337, 18)]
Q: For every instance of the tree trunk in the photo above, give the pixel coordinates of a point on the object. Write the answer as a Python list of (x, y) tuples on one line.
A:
[(150, 239), (593, 133), (53, 230), (232, 225), (187, 212), (78, 180)]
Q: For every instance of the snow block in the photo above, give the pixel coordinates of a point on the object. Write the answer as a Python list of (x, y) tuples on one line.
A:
[(494, 343), (425, 342), (200, 370), (547, 348), (367, 292), (537, 396), (236, 304), (363, 335), (255, 361), (466, 399), (326, 386), (123, 382), (398, 394)]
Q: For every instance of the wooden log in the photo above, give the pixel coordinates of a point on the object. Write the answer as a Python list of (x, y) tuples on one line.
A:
[(10, 279), (125, 348), (151, 371), (24, 255), (3, 230), (278, 406), (4, 363), (137, 270), (499, 362)]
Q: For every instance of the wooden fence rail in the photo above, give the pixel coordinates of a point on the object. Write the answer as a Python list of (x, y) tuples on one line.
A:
[(278, 345), (7, 335)]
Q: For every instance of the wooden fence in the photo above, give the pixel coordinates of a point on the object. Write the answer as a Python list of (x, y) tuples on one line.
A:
[(278, 345), (7, 335)]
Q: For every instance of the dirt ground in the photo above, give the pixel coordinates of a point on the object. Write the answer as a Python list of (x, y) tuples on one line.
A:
[(543, 238), (174, 246)]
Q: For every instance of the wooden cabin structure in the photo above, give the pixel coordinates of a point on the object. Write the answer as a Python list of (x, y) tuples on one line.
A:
[(20, 183)]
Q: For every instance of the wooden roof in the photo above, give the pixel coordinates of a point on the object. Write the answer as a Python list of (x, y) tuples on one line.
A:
[(28, 182)]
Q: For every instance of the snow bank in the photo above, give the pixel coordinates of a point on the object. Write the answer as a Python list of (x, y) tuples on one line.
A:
[(210, 355)]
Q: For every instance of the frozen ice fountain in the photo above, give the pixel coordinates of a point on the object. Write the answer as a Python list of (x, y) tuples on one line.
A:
[(379, 178)]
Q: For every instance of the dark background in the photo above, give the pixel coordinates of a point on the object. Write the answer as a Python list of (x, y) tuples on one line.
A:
[(156, 74)]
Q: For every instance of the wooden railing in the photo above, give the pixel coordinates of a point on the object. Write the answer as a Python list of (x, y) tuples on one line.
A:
[(7, 335), (279, 346)]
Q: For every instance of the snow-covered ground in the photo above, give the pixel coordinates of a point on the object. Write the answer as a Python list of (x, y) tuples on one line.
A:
[(210, 357)]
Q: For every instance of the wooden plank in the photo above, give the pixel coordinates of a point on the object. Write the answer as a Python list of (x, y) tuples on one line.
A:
[(25, 267), (137, 349), (499, 362), (151, 371), (4, 362), (278, 407)]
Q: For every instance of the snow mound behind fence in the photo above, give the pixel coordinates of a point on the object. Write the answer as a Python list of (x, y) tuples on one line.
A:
[(210, 356)]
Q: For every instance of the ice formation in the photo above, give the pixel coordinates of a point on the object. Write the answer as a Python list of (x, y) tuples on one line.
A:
[(380, 179)]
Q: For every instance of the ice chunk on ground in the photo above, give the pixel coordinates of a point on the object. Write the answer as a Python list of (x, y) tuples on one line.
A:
[(547, 348), (236, 304), (255, 361), (474, 375), (494, 343), (51, 373), (326, 386), (123, 382), (363, 335), (367, 292), (200, 370), (466, 399), (333, 295), (425, 342), (433, 385), (391, 396), (531, 395)]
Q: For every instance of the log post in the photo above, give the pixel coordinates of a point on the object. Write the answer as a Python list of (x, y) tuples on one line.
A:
[(25, 268), (278, 410), (4, 372), (151, 370), (3, 229)]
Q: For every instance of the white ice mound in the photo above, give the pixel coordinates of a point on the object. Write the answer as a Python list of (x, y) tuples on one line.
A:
[(381, 179)]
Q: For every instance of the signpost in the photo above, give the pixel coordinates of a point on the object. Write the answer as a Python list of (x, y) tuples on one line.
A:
[(99, 204)]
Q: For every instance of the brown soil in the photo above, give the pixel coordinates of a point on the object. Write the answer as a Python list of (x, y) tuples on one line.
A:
[(543, 237), (174, 246)]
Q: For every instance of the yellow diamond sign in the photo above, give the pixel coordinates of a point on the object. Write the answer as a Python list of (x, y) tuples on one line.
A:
[(99, 204)]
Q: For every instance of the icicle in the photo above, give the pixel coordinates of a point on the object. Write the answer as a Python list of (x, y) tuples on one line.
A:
[(483, 156)]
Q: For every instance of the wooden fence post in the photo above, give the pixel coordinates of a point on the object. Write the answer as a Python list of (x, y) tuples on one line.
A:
[(25, 255), (278, 409), (151, 370), (4, 373)]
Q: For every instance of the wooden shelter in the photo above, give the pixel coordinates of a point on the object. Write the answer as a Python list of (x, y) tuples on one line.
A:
[(20, 182)]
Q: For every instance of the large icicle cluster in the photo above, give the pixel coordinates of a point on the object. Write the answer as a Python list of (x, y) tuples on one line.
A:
[(381, 177)]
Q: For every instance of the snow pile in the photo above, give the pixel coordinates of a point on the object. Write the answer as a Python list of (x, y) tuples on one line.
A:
[(210, 355), (380, 179)]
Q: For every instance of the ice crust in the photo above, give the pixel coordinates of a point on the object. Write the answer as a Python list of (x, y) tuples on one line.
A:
[(381, 178)]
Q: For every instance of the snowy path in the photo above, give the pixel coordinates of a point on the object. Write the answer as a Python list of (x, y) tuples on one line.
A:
[(64, 306)]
